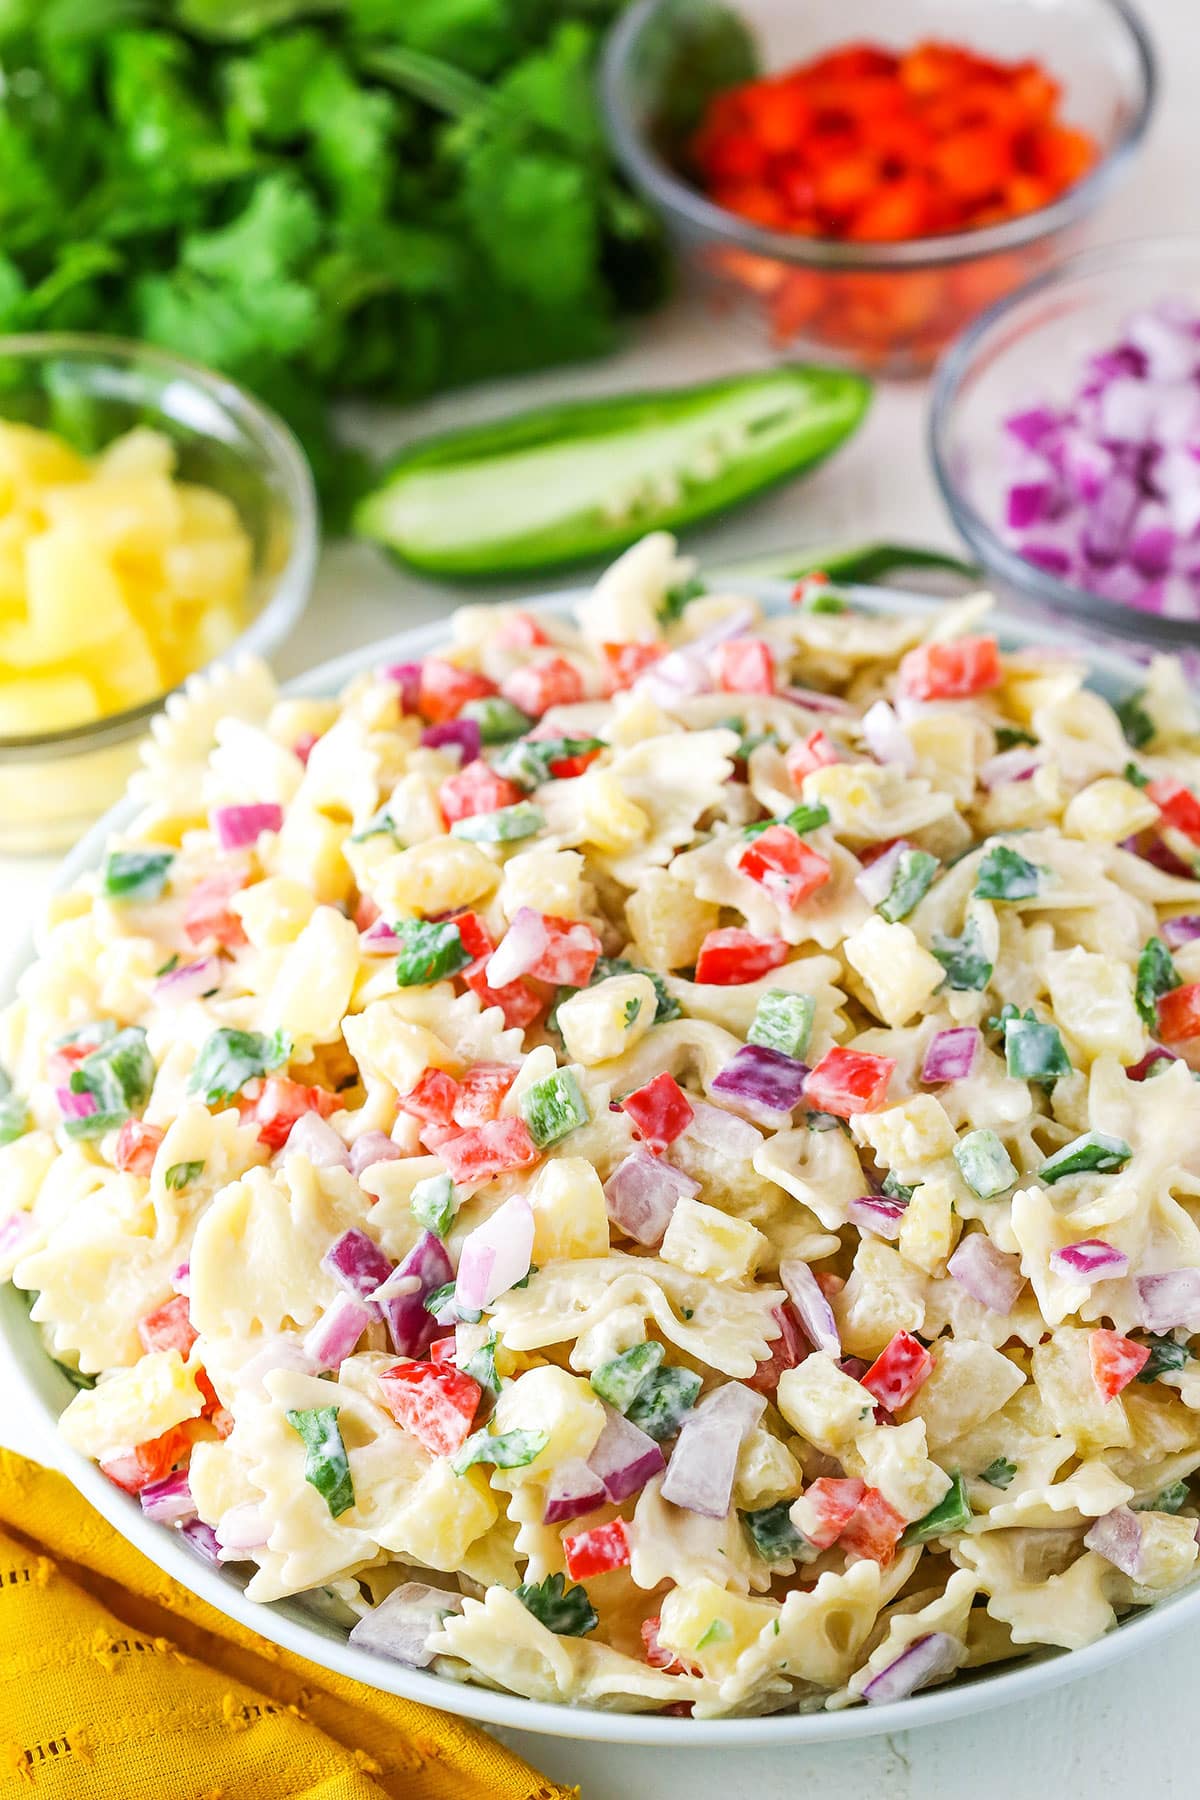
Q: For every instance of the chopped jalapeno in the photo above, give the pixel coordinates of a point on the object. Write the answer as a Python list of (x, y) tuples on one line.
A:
[(504, 826), (894, 1189), (677, 599), (380, 824), (229, 1059), (510, 1450), (14, 1118), (773, 1535), (326, 1465), (1165, 1355), (806, 817), (1004, 874), (1133, 775), (119, 1075), (554, 1107), (481, 1366), (1136, 722), (986, 1166), (499, 721), (567, 1611), (135, 874), (967, 966), (915, 870), (432, 1204), (1171, 1500), (530, 762), (1156, 976), (1034, 1051), (1009, 737), (668, 1006), (1093, 1153), (428, 952), (1000, 1473), (952, 1513), (182, 1174), (621, 1379), (664, 1401), (784, 1022)]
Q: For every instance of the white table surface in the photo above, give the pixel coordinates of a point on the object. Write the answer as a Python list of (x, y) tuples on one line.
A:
[(1096, 1740)]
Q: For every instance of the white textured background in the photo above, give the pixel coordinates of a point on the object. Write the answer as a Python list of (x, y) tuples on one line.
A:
[(1129, 1731)]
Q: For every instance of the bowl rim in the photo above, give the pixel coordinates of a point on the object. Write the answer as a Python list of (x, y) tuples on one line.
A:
[(999, 559), (288, 1624), (292, 584), (676, 197)]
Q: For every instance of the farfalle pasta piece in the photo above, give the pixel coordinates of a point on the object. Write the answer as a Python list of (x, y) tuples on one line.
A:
[(1071, 1609)]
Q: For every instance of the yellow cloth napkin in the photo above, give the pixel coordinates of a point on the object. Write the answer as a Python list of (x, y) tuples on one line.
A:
[(116, 1682)]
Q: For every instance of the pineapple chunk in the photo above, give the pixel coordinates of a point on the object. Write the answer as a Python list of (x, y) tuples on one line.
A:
[(908, 1137), (550, 881), (441, 1516), (132, 1406), (570, 1217), (435, 877), (929, 1229), (549, 1399), (604, 1021), (704, 1624), (386, 1044), (766, 1471), (969, 1382), (311, 993), (668, 922), (704, 1241), (1168, 1550), (899, 972), (1107, 811), (609, 818), (823, 1403), (893, 1459), (1093, 1002), (308, 850), (273, 912), (74, 597), (43, 702)]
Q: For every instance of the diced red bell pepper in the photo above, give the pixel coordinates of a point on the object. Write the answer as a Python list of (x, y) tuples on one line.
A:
[(744, 666), (149, 1461), (137, 1145), (596, 1551), (808, 585), (168, 1327), (207, 916), (830, 1502), (814, 752), (567, 768), (365, 913), (280, 1103), (952, 671), (539, 686), (627, 661), (62, 1062), (433, 1135), (730, 956), (476, 789), (516, 1000), (445, 689), (490, 1149), (435, 1402), (520, 631), (1115, 1361), (784, 866), (829, 1283), (656, 1655), (848, 1081), (789, 1348), (1179, 1013), (481, 1093), (898, 1371), (569, 954), (477, 940), (660, 1111), (433, 1098), (1177, 804), (442, 1349), (875, 1529)]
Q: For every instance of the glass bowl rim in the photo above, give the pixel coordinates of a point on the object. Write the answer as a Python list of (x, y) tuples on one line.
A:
[(677, 198), (293, 582), (997, 557)]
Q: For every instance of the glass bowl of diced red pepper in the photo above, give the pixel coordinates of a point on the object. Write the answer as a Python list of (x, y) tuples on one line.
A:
[(859, 181)]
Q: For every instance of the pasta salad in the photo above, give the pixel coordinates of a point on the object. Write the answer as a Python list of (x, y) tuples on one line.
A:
[(649, 1160)]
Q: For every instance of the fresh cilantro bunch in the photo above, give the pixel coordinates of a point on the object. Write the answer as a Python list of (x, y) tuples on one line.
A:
[(319, 197)]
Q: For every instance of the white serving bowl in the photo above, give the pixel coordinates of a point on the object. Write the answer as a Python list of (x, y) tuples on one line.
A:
[(292, 1625)]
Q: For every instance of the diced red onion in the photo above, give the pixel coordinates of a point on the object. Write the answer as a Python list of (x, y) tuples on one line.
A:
[(766, 1083), (874, 882), (412, 1328), (407, 677), (75, 1106), (1018, 764), (242, 1527), (1170, 1299), (624, 1458), (1033, 426), (181, 1278), (1146, 1065), (1182, 930), (202, 1538), (237, 826), (357, 1263), (723, 1131), (17, 1226), (1031, 503), (190, 981), (404, 1621), (642, 1193), (1090, 1258), (169, 1501), (951, 1054), (703, 1463), (283, 1352), (333, 1338), (812, 1308), (1117, 1537), (464, 735), (878, 1213), (495, 1255), (925, 1660), (314, 1137), (519, 949), (1050, 557), (813, 700), (886, 738), (379, 939), (371, 1148), (989, 1275), (573, 1490), (735, 625), (680, 675)]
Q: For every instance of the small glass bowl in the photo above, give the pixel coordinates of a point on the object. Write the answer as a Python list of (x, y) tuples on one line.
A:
[(887, 308), (1032, 348), (91, 389)]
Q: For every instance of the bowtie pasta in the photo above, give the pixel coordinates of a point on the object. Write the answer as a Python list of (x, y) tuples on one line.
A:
[(649, 1160)]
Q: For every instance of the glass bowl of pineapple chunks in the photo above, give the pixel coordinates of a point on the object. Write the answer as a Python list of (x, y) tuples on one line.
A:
[(154, 518)]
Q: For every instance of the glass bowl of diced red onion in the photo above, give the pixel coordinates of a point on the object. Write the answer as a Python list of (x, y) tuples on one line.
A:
[(1065, 432)]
